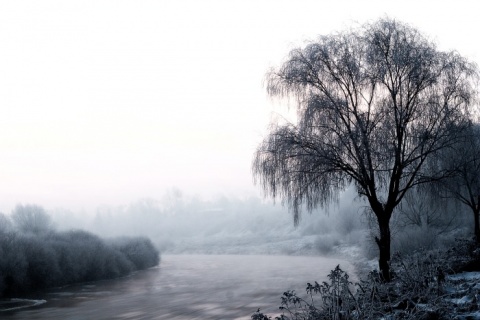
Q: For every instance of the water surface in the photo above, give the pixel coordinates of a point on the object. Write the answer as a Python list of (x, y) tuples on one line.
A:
[(186, 287)]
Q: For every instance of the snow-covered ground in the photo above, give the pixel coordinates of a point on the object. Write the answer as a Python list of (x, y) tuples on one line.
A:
[(463, 293)]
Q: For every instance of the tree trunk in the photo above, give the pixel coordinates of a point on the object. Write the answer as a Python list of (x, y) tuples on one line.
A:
[(476, 213), (384, 248)]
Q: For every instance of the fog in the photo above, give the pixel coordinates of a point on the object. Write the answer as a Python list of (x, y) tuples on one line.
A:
[(105, 103), (180, 223)]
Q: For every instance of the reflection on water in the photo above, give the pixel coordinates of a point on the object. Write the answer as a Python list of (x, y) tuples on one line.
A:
[(186, 287)]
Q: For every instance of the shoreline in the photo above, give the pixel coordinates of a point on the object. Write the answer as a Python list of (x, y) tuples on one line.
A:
[(17, 304)]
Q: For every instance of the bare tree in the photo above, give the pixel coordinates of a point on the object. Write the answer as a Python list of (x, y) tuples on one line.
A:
[(421, 208), (463, 183), (373, 105), (31, 219)]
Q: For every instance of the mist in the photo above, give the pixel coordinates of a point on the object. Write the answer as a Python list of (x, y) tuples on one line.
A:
[(179, 223), (107, 103)]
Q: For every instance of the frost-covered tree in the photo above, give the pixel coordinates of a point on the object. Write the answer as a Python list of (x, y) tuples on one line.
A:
[(31, 219), (374, 104)]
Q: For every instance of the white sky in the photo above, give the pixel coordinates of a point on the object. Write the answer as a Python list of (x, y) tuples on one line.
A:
[(106, 102)]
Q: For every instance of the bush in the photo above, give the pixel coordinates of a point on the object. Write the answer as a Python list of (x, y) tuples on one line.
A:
[(138, 250), (36, 259), (13, 265)]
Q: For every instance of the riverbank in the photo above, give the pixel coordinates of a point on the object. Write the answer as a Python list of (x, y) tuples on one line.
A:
[(433, 284), (17, 304)]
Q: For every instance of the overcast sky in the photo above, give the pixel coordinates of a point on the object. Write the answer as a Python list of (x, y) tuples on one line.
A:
[(106, 102)]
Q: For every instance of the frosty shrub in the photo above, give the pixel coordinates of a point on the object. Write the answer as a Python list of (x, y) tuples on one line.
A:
[(420, 289), (138, 250), (31, 261), (329, 300)]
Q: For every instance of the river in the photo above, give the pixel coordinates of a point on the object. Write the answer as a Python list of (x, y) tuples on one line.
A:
[(186, 287)]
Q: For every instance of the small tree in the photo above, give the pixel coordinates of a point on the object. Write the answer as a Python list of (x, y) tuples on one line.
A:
[(374, 105), (31, 219), (421, 208), (463, 184)]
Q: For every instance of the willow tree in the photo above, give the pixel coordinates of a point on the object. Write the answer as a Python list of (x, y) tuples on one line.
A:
[(374, 104), (463, 183)]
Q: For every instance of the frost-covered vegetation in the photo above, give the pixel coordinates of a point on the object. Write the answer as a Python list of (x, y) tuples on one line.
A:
[(34, 256), (431, 284)]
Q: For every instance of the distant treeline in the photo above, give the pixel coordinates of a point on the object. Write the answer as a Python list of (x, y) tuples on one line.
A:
[(34, 256)]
